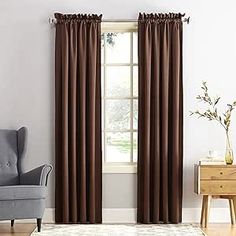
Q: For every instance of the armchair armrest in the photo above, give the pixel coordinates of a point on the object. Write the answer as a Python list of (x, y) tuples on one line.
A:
[(38, 176)]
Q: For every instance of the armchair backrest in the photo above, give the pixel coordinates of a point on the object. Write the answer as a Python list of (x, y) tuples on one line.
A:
[(12, 150)]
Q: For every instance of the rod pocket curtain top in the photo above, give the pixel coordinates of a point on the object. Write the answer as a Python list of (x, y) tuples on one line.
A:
[(78, 119), (160, 121), (160, 17), (67, 18)]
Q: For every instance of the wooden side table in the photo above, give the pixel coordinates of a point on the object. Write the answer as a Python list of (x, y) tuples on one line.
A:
[(215, 181)]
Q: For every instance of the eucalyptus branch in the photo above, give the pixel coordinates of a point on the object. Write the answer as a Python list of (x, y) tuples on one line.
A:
[(212, 112)]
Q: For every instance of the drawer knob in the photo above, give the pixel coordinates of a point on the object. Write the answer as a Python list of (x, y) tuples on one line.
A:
[(221, 186), (221, 173)]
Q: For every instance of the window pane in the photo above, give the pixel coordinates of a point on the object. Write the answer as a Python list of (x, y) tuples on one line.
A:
[(135, 81), (102, 114), (117, 114), (103, 146), (102, 48), (118, 81), (102, 80), (135, 146), (118, 147), (118, 48), (135, 114), (116, 92), (135, 47)]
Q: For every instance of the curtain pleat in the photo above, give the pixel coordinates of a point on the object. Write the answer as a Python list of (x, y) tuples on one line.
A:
[(78, 119), (160, 121)]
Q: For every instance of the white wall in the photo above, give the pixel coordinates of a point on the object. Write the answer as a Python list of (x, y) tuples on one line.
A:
[(27, 75)]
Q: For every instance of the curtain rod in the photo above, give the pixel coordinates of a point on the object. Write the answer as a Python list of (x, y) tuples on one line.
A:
[(54, 21)]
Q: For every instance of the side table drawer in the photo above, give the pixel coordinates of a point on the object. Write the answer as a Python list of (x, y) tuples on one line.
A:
[(214, 187), (215, 173)]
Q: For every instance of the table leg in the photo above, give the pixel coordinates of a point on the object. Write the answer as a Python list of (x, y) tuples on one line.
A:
[(207, 209), (232, 213), (234, 206), (202, 221)]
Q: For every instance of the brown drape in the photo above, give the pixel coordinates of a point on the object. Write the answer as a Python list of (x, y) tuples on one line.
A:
[(160, 125), (78, 119)]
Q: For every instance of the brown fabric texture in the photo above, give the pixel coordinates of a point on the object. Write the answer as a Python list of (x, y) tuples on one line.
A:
[(160, 124), (78, 119)]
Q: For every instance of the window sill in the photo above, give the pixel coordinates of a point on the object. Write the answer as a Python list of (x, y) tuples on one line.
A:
[(116, 168)]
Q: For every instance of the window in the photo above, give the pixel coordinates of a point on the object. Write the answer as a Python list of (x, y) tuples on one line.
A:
[(119, 97)]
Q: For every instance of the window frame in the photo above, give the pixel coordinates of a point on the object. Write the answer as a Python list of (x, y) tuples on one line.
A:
[(119, 167)]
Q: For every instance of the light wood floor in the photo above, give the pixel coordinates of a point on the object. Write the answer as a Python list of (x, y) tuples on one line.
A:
[(220, 230), (27, 229), (17, 230)]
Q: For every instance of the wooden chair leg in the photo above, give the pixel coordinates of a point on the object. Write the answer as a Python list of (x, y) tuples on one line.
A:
[(207, 209), (12, 223), (202, 221), (232, 212)]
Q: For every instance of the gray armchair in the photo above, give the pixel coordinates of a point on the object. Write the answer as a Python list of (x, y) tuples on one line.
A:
[(22, 195)]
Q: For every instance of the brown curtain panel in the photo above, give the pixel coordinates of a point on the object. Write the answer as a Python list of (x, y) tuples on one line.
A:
[(160, 124), (78, 119)]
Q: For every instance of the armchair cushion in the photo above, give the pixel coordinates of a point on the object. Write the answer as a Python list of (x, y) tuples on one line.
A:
[(36, 176), (20, 192)]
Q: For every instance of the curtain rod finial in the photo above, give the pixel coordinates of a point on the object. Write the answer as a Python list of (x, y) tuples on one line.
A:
[(52, 21), (187, 20)]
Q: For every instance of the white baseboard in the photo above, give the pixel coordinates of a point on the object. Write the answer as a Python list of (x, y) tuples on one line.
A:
[(119, 215), (190, 215), (128, 215), (49, 215), (217, 215)]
